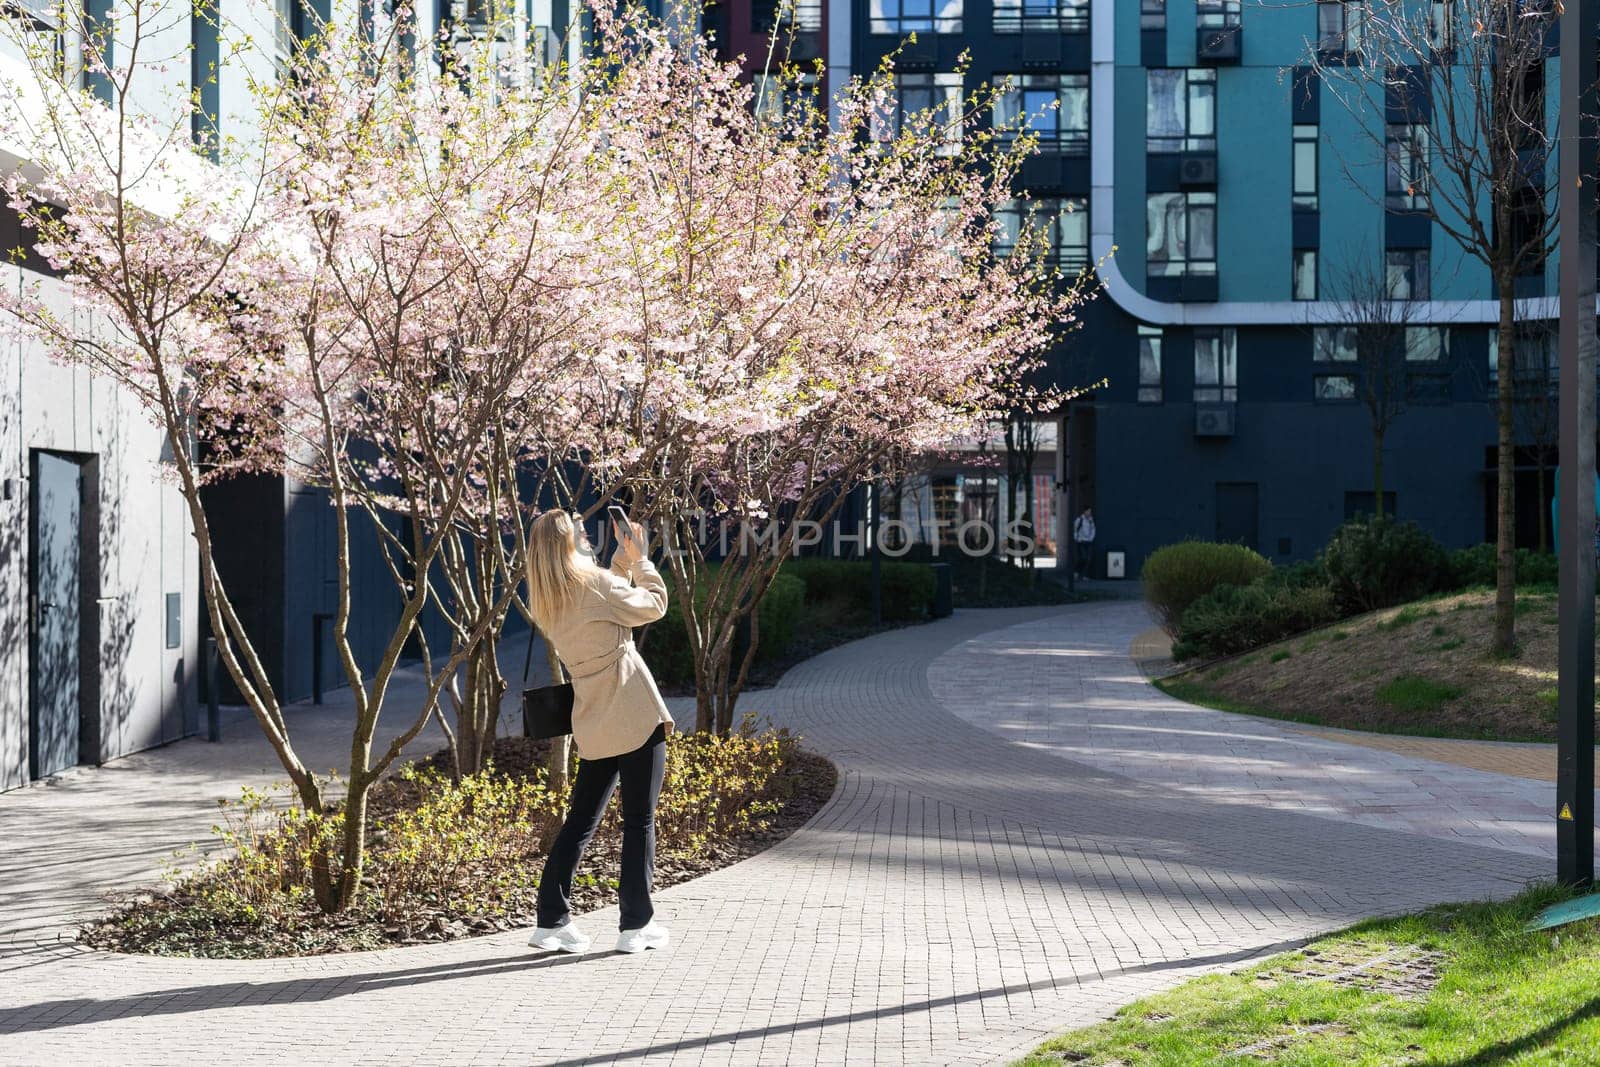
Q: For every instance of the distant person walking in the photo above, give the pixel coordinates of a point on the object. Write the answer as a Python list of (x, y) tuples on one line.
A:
[(1083, 540), (619, 722)]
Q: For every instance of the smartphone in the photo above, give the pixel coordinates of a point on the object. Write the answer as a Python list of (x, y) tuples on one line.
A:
[(619, 523)]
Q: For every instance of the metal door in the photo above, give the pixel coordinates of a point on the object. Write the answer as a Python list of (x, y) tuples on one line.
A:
[(1238, 513), (55, 585)]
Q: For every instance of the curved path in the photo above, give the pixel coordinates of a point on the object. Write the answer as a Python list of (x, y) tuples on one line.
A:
[(959, 898), (1081, 698)]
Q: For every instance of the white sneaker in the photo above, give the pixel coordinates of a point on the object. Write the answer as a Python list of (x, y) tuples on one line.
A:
[(567, 938), (650, 935)]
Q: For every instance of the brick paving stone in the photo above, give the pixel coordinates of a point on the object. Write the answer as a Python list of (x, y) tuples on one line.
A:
[(960, 897)]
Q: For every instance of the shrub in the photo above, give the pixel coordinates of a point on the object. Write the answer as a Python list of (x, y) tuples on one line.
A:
[(1378, 563), (1176, 576), (717, 788), (907, 588), (470, 849), (474, 849), (1475, 566), (1230, 619), (268, 880)]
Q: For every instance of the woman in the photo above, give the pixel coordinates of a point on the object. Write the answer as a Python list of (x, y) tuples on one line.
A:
[(619, 722)]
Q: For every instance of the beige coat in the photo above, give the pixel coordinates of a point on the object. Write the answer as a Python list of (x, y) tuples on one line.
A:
[(615, 706)]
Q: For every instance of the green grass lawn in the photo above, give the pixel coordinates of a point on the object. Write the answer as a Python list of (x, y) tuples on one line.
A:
[(1456, 986)]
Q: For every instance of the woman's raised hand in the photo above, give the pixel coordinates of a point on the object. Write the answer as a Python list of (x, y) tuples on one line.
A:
[(630, 542)]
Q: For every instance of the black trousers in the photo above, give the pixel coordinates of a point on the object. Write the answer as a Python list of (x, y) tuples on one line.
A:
[(640, 772)]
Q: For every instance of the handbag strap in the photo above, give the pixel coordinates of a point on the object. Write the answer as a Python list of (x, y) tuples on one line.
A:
[(527, 662)]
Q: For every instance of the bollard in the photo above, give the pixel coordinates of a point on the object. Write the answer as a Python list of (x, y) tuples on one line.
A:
[(316, 655), (213, 713), (943, 590)]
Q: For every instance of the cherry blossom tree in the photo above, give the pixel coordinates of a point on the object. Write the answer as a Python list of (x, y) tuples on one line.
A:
[(803, 302), (355, 300)]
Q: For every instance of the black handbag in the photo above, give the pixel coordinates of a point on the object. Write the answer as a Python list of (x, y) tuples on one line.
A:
[(546, 709)]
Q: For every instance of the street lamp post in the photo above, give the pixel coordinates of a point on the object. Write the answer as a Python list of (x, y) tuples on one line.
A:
[(1575, 691)]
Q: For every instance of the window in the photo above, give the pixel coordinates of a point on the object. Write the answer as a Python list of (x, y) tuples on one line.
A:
[(1426, 344), (1152, 14), (1182, 234), (1181, 111), (1306, 179), (1149, 364), (1060, 226), (284, 31), (776, 96), (1216, 366), (1441, 25), (1334, 387), (1406, 167), (799, 15), (1041, 16), (1339, 24), (916, 16), (1305, 274), (1054, 106), (1537, 359), (925, 101), (1216, 14), (1407, 271), (1333, 344), (39, 31)]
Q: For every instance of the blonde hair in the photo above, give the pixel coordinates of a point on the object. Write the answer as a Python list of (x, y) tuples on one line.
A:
[(556, 568)]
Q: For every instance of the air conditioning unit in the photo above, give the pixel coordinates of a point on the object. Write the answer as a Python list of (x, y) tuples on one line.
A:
[(1220, 45), (1213, 420), (1198, 168)]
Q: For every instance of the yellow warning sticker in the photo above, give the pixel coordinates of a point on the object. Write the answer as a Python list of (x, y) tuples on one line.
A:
[(1566, 813)]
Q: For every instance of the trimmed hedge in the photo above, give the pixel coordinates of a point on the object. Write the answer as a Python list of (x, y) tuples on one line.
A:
[(908, 588), (1176, 576), (1232, 619), (666, 646), (1379, 563)]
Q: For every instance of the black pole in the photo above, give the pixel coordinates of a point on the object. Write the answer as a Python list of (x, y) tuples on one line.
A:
[(316, 655), (874, 524), (1575, 690), (1069, 433), (213, 714)]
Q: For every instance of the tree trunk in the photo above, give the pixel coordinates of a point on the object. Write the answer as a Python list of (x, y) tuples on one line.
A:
[(480, 709), (1505, 578), (354, 846), (1377, 473)]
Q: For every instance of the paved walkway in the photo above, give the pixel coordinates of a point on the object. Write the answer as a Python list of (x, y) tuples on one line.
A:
[(1085, 702), (960, 897), (68, 843)]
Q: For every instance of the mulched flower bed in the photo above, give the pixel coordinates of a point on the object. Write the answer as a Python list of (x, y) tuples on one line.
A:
[(175, 921)]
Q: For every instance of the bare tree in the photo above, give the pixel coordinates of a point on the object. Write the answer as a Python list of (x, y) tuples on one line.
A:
[(1373, 334), (1451, 99)]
